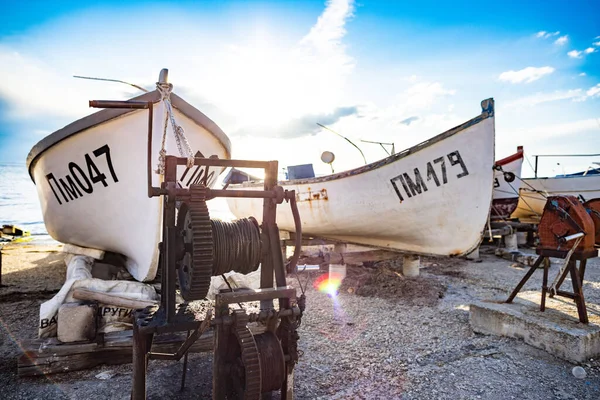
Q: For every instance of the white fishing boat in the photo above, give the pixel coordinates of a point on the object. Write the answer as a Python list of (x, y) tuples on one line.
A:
[(507, 183), (433, 198), (91, 175), (534, 191)]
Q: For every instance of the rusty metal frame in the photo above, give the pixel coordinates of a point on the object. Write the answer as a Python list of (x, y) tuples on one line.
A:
[(168, 317)]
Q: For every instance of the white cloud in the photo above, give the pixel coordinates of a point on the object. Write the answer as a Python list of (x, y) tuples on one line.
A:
[(526, 75), (577, 95), (563, 129), (562, 40), (538, 98), (582, 74), (596, 44), (575, 54), (589, 50), (593, 91), (546, 35)]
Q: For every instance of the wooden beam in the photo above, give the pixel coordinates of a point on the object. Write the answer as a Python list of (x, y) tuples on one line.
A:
[(359, 257), (112, 299), (49, 356)]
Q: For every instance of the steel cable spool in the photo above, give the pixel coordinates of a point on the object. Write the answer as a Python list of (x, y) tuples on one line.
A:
[(211, 247), (237, 246)]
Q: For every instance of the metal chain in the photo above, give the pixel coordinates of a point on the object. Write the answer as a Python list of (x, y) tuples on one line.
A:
[(183, 145)]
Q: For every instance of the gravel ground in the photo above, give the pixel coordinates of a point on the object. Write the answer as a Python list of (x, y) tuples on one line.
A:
[(382, 337)]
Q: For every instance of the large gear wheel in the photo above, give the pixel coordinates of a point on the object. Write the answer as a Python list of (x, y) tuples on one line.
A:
[(196, 263), (245, 368)]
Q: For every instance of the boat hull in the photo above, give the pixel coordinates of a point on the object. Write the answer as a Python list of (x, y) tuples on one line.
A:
[(534, 191), (432, 199), (507, 183), (92, 185)]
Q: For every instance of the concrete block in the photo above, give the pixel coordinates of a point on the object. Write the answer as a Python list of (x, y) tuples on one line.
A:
[(557, 330), (76, 322), (410, 265), (511, 242)]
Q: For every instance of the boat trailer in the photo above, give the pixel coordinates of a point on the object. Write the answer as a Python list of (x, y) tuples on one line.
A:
[(246, 364), (566, 231)]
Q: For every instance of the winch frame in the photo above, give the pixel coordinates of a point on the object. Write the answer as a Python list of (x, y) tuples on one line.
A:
[(572, 242), (170, 317)]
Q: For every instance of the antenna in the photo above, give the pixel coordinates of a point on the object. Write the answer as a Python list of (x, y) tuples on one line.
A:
[(381, 144), (111, 80), (348, 140)]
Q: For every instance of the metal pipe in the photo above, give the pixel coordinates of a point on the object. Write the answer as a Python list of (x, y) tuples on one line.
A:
[(572, 237), (139, 105), (251, 194), (567, 155), (149, 155), (536, 165), (217, 162), (298, 225)]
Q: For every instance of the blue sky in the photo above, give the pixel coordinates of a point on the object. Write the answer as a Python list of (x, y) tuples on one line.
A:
[(266, 72)]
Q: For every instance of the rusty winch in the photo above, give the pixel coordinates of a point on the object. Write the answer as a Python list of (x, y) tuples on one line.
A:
[(566, 224), (593, 208), (567, 231), (254, 352)]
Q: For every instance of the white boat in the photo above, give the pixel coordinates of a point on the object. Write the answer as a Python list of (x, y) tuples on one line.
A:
[(433, 198), (534, 191), (91, 175), (507, 183)]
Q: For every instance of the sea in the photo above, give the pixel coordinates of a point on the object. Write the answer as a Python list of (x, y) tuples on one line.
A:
[(20, 206)]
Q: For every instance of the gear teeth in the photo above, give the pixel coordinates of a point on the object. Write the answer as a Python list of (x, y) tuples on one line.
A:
[(250, 357), (195, 282)]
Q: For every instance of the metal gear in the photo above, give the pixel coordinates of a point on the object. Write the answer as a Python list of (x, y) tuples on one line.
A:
[(196, 262), (245, 368), (272, 361)]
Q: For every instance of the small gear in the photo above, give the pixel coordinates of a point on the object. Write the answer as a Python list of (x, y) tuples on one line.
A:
[(245, 368)]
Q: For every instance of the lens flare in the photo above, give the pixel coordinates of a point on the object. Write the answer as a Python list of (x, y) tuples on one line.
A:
[(329, 284)]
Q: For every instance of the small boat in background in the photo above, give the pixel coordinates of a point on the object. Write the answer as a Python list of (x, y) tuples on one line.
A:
[(507, 183), (432, 199), (584, 185), (91, 175)]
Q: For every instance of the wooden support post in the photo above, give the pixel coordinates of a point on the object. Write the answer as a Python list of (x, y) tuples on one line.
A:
[(578, 292), (140, 363), (544, 287), (525, 279)]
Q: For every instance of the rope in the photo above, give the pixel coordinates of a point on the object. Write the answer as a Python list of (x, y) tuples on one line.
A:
[(499, 168), (182, 143), (552, 288)]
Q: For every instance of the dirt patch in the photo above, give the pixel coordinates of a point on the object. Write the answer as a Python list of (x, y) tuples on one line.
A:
[(385, 280)]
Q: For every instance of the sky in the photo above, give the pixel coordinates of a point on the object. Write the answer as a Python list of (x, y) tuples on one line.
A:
[(267, 72)]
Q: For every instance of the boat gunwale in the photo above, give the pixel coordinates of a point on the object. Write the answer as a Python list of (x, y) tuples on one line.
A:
[(487, 107), (108, 114), (513, 157)]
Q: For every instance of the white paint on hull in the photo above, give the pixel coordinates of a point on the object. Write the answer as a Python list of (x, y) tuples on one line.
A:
[(363, 207), (534, 191), (118, 217), (504, 189)]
